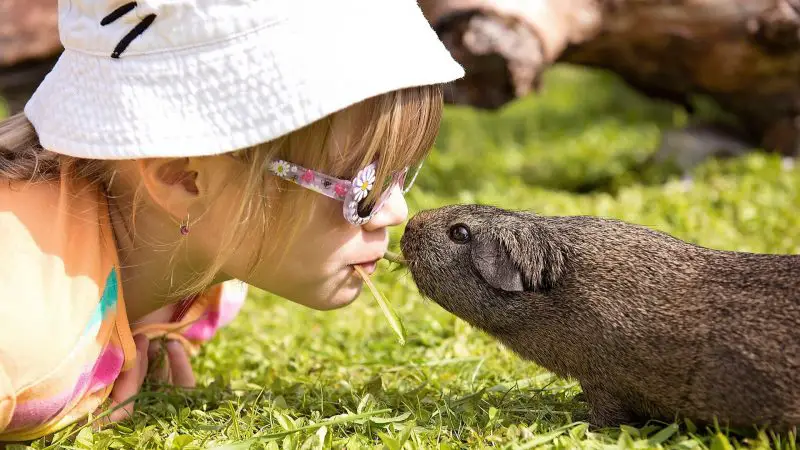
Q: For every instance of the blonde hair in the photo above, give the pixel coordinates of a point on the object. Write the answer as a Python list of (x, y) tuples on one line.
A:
[(395, 129)]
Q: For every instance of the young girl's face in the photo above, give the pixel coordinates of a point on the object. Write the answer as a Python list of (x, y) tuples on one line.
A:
[(314, 267)]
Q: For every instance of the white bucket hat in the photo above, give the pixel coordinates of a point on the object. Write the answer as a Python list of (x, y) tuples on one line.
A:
[(158, 78)]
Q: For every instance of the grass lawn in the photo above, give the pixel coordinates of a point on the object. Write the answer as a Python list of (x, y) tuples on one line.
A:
[(296, 378)]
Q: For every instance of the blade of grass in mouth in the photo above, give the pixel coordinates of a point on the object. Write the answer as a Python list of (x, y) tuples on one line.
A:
[(391, 316)]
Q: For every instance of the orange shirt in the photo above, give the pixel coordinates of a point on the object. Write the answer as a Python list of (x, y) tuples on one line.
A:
[(64, 334)]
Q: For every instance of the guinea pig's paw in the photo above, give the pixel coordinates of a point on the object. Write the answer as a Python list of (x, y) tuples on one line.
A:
[(606, 410), (606, 416)]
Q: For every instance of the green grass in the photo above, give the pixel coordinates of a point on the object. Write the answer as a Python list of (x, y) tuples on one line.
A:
[(285, 377)]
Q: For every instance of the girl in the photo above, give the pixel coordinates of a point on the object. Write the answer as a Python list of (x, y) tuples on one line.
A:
[(179, 145)]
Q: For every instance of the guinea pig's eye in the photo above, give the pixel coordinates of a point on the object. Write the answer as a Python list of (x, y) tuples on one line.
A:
[(459, 233)]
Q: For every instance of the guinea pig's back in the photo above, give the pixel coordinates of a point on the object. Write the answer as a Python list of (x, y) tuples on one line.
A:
[(722, 328), (751, 360)]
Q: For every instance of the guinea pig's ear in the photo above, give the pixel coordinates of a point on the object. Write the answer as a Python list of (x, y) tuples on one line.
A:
[(495, 265), (525, 259)]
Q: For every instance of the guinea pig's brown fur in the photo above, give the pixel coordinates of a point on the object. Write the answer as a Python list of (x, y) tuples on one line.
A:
[(651, 326)]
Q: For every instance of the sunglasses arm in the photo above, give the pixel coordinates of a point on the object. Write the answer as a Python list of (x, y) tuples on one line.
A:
[(326, 185)]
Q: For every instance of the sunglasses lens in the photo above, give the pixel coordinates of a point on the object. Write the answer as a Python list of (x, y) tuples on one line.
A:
[(405, 179), (365, 209)]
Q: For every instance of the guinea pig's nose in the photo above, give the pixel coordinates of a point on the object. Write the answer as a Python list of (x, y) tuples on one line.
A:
[(415, 223), (411, 226), (408, 242)]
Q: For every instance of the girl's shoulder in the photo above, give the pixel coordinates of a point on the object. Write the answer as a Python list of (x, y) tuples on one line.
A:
[(57, 267)]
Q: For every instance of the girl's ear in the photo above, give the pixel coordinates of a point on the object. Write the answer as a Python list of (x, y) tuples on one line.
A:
[(172, 183)]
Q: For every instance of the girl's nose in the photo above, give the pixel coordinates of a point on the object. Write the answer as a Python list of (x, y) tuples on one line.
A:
[(394, 212)]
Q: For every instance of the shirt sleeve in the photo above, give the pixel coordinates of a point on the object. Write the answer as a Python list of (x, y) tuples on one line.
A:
[(207, 313), (223, 305)]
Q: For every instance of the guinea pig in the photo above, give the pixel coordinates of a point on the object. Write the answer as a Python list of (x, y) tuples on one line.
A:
[(652, 327)]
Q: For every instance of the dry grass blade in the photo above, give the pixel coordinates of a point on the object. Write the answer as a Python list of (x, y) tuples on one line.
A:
[(391, 316)]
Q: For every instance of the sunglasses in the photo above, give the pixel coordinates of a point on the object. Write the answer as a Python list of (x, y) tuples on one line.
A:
[(352, 192)]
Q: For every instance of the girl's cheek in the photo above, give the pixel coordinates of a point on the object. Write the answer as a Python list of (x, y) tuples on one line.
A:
[(331, 217)]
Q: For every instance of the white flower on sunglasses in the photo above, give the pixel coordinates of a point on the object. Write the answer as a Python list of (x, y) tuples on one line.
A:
[(363, 182), (280, 168)]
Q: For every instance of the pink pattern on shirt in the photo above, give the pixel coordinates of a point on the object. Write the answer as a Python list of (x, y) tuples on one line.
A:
[(231, 301), (36, 412), (107, 368)]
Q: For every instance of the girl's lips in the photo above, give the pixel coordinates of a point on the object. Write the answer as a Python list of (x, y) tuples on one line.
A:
[(368, 266)]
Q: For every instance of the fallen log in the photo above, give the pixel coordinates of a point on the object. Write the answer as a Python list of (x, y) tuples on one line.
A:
[(743, 54)]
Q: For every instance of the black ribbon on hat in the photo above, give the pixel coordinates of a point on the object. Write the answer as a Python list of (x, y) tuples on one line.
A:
[(134, 33)]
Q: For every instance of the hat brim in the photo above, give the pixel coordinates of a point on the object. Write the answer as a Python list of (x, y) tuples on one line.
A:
[(234, 94)]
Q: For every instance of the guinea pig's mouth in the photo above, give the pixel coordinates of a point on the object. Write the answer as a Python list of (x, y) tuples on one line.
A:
[(408, 247), (396, 258)]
